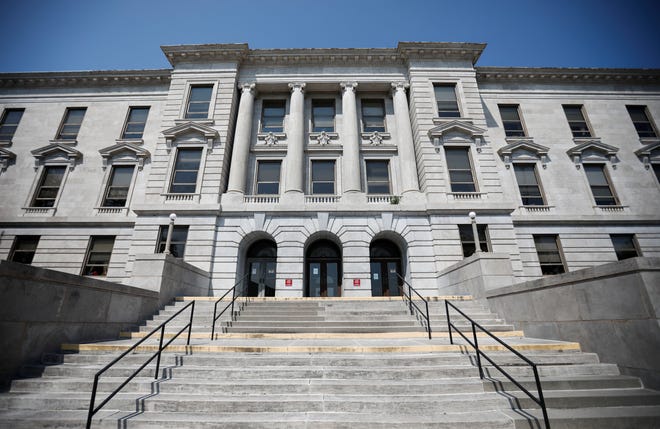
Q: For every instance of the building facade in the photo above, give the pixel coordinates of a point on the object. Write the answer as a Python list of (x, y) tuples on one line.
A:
[(329, 172)]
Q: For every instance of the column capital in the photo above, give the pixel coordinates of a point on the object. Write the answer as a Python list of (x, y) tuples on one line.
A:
[(247, 86), (300, 86), (348, 86), (400, 85)]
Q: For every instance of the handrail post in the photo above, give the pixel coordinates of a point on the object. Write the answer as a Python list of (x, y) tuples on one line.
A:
[(192, 312), (91, 402), (160, 349), (233, 298), (476, 346), (215, 309), (428, 319), (451, 339), (410, 299), (541, 399)]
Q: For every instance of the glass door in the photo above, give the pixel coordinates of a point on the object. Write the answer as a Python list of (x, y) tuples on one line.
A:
[(261, 281)]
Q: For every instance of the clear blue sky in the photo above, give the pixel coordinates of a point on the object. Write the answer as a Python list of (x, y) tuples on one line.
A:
[(52, 35)]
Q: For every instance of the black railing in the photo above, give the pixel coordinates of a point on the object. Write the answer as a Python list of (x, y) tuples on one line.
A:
[(479, 353), (234, 297), (93, 410), (412, 304)]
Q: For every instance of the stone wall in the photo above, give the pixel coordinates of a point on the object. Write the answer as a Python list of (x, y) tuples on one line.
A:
[(476, 275), (612, 310)]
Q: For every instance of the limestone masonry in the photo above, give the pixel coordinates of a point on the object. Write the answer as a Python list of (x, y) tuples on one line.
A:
[(328, 172)]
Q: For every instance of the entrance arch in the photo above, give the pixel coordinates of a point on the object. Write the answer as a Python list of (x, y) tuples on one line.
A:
[(260, 266), (323, 269), (385, 262)]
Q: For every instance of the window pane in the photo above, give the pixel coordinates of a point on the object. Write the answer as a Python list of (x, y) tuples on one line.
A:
[(186, 168), (460, 176), (269, 171), (548, 253), (378, 177), (9, 123), (98, 257), (445, 97), (457, 158), (467, 238), (595, 175), (641, 120), (24, 249), (323, 170), (656, 170), (373, 115), (122, 175), (576, 121), (188, 159), (135, 123), (201, 93), (323, 188), (71, 124), (624, 246), (323, 115), (177, 242), (272, 115)]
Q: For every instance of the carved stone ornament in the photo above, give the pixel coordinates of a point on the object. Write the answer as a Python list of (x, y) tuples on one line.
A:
[(247, 87), (323, 138), (56, 152), (187, 128), (649, 154), (594, 151), (270, 139), (376, 139), (124, 152), (349, 86), (300, 86), (5, 157)]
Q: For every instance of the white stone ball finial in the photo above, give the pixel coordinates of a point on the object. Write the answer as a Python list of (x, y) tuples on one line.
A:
[(472, 215), (172, 217)]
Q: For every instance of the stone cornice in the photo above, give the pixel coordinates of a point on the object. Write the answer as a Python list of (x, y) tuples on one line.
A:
[(441, 50), (85, 78), (176, 54), (552, 74), (339, 56)]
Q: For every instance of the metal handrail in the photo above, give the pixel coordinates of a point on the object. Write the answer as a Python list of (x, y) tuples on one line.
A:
[(540, 400), (231, 304), (161, 328), (412, 304)]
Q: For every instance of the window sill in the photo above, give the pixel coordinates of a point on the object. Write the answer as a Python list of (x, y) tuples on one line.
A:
[(5, 143), (270, 138), (536, 209), (203, 121), (580, 140), (64, 141), (130, 141), (642, 140), (440, 121), (384, 199), (527, 139), (322, 199), (261, 199), (467, 195), (39, 211), (610, 209), (180, 198), (100, 211)]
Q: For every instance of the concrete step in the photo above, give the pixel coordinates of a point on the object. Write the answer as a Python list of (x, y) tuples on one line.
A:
[(627, 417), (588, 398), (582, 382)]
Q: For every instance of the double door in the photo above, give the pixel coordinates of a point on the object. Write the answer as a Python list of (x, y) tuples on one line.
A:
[(384, 278), (323, 278), (261, 279)]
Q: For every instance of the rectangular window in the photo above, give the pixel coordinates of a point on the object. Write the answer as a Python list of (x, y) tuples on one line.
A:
[(600, 185), (199, 102), (98, 256), (177, 241), (268, 177), (9, 123), (511, 121), (528, 184), (116, 192), (625, 246), (135, 122), (272, 116), (25, 246), (323, 177), (49, 187), (378, 177), (467, 238), (445, 97), (323, 116), (71, 125), (640, 119), (576, 121), (460, 169), (547, 248), (186, 168), (373, 116)]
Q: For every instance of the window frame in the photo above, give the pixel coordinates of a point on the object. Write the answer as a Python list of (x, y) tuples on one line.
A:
[(107, 184), (649, 120), (311, 174), (258, 162), (161, 242), (126, 122), (481, 227), (64, 123), (264, 102), (459, 109), (473, 171), (608, 179), (390, 183), (314, 101), (544, 201), (585, 119), (635, 246), (523, 128), (17, 239), (38, 184), (3, 123), (560, 253), (367, 100), (172, 169), (88, 254), (186, 105)]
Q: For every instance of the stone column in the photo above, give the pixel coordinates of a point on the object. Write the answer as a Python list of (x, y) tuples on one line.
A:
[(240, 155), (350, 139), (409, 176), (293, 181)]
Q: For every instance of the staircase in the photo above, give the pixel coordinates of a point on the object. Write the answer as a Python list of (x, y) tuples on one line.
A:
[(328, 363)]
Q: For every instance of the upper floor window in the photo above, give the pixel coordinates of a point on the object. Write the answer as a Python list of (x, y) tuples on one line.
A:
[(550, 259), (577, 121), (378, 177), (528, 184), (445, 97), (511, 121), (135, 122), (323, 177), (467, 238), (177, 240), (323, 115), (268, 177), (625, 246), (272, 116), (199, 101), (460, 169), (49, 186), (186, 169), (116, 192), (9, 123), (640, 119), (24, 249), (373, 116), (71, 124), (600, 185), (98, 256)]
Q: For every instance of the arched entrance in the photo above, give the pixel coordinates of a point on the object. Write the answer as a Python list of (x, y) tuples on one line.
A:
[(385, 261), (323, 269), (260, 265)]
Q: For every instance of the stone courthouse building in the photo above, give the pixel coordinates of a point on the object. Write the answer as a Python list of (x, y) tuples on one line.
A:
[(323, 172)]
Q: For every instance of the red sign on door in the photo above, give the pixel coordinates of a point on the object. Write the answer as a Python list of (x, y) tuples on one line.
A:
[(288, 282), (356, 282)]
